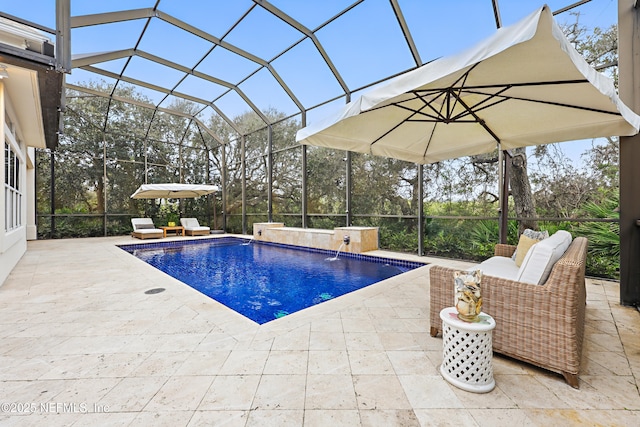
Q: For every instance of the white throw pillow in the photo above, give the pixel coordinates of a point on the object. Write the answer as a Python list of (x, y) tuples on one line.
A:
[(538, 263)]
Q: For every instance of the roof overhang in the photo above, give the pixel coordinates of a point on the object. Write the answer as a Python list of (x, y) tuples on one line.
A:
[(34, 86)]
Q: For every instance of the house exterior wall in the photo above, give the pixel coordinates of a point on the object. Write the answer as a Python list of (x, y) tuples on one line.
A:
[(629, 89), (13, 204)]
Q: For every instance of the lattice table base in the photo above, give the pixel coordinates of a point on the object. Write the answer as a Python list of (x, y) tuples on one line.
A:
[(467, 352)]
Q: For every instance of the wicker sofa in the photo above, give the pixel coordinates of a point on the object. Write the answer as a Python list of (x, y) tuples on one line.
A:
[(539, 324)]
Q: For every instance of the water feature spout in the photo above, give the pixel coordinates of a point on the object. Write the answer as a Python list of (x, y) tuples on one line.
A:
[(337, 253), (346, 239), (252, 238)]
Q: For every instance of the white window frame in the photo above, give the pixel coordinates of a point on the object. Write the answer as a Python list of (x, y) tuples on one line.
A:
[(14, 166)]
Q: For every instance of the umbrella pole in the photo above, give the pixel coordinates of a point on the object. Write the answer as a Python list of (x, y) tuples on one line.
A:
[(502, 210), (215, 219), (421, 210), (505, 195)]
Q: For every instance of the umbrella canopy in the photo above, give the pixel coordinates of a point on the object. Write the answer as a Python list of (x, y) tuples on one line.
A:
[(173, 191), (525, 85)]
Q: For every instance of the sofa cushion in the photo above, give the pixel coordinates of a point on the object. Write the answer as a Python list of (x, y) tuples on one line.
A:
[(532, 234), (499, 266), (539, 261), (524, 244)]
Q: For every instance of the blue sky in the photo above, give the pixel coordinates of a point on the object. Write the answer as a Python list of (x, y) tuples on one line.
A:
[(365, 44)]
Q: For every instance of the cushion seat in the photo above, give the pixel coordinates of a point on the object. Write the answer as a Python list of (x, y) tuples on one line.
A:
[(499, 266), (536, 265), (193, 228), (143, 228)]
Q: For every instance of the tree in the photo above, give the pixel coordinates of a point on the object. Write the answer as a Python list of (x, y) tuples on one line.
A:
[(131, 144), (599, 49), (562, 189), (521, 190), (286, 194)]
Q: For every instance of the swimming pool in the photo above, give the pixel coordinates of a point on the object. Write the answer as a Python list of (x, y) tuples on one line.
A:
[(265, 281)]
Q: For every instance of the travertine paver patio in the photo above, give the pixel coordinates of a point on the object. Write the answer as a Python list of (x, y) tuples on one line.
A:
[(82, 344)]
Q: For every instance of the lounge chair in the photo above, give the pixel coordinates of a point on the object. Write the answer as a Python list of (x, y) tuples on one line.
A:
[(193, 228), (143, 228)]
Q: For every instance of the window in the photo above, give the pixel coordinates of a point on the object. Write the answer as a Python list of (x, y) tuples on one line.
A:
[(12, 190)]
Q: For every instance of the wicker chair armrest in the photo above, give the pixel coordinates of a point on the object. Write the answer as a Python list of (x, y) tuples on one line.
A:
[(502, 249)]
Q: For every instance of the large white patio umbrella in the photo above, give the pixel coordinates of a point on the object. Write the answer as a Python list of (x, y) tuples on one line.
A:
[(173, 191), (526, 85)]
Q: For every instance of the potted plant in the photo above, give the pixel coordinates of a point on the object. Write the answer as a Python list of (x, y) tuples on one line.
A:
[(172, 219)]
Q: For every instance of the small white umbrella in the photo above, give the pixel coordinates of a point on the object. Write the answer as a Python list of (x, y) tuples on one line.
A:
[(173, 191), (526, 85)]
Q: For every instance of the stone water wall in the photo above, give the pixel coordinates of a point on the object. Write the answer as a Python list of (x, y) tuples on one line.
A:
[(361, 239)]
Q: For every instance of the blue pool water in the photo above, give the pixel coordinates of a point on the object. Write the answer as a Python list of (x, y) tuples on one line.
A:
[(264, 281)]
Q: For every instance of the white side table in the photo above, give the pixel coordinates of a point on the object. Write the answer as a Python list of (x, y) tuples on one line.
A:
[(467, 351)]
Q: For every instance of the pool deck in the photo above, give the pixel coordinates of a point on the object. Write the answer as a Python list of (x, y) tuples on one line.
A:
[(81, 343)]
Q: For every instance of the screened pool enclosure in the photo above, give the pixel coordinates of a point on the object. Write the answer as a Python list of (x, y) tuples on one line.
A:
[(214, 93)]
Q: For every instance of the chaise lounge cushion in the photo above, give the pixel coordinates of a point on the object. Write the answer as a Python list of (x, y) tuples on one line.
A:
[(143, 228), (541, 257), (139, 227), (192, 227)]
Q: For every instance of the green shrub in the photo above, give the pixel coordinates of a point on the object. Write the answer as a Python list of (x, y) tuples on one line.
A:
[(604, 238)]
